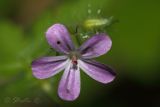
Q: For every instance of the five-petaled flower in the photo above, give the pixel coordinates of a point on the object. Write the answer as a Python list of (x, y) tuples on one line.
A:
[(72, 60)]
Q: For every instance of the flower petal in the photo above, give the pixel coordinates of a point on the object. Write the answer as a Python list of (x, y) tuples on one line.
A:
[(96, 46), (59, 38), (48, 66), (69, 87), (97, 71)]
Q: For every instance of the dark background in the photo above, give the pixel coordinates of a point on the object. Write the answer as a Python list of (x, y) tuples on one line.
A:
[(134, 55)]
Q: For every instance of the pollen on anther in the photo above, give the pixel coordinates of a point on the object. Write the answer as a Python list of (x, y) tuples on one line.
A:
[(75, 62)]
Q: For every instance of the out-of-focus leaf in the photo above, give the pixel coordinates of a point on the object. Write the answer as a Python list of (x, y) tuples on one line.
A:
[(12, 42), (135, 38)]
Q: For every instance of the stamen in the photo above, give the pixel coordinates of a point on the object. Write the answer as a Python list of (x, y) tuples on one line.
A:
[(74, 60)]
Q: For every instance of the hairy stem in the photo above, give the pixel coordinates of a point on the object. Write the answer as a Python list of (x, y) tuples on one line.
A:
[(78, 39)]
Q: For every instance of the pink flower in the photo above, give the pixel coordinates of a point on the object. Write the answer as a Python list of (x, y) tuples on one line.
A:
[(72, 60)]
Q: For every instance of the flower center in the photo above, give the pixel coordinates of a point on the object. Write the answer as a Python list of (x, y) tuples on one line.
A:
[(74, 60), (74, 56)]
